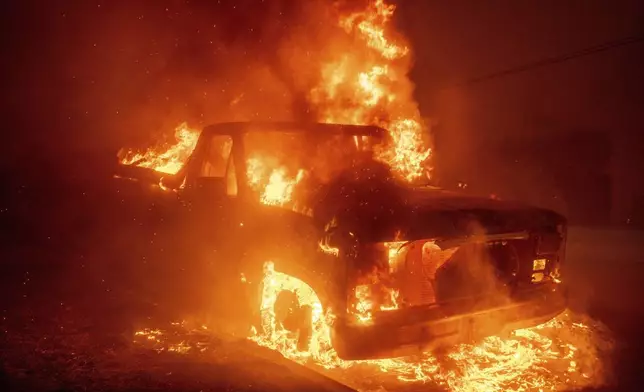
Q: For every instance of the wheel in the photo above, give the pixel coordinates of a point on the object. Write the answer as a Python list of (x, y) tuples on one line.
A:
[(290, 315)]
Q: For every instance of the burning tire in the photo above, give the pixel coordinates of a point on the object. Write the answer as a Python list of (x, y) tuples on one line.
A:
[(294, 317), (289, 310)]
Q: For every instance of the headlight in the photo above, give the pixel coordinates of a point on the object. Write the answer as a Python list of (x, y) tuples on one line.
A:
[(539, 265)]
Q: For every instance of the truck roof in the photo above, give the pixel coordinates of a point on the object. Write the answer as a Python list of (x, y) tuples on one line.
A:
[(229, 128)]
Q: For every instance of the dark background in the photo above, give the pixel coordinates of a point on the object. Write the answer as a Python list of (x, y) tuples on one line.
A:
[(566, 134)]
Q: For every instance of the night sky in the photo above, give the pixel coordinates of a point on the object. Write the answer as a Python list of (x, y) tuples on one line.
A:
[(87, 77)]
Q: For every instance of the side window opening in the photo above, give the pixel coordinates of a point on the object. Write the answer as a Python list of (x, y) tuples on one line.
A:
[(216, 162), (231, 178)]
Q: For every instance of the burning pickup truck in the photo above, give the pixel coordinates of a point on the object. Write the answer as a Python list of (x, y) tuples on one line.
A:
[(318, 241)]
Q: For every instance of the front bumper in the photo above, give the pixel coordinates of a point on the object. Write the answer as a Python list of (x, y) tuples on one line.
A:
[(405, 333)]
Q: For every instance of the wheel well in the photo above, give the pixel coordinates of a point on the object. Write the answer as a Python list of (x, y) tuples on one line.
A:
[(300, 262)]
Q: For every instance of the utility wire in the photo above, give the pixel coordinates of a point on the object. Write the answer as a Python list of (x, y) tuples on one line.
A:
[(553, 60)]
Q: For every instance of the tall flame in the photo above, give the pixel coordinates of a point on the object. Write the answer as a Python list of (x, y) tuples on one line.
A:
[(167, 158), (362, 79), (275, 186), (366, 83), (369, 85), (565, 353)]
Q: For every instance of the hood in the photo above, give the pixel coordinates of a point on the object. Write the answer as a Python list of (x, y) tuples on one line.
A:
[(138, 173), (437, 198), (387, 210), (457, 215)]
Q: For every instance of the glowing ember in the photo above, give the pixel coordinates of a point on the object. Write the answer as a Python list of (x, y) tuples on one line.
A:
[(546, 357), (156, 338), (326, 248), (150, 334)]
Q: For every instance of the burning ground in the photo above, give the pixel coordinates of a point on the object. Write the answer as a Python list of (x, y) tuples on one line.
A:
[(357, 75), (565, 353)]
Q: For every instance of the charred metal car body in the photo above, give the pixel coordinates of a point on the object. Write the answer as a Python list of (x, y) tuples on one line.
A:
[(400, 267)]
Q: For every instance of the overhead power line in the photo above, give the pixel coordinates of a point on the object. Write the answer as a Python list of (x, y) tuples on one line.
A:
[(554, 60)]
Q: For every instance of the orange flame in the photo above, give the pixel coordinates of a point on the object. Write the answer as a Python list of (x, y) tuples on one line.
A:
[(169, 158), (274, 185), (276, 337), (371, 24), (558, 355), (369, 86), (365, 84), (563, 354)]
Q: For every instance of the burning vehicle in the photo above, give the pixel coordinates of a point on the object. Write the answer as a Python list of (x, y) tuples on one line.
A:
[(320, 244)]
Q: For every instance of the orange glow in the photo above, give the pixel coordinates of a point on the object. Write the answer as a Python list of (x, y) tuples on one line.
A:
[(395, 254), (364, 304), (274, 186), (275, 336), (165, 158), (543, 358), (364, 81), (546, 357), (565, 353), (324, 247), (279, 188), (372, 293), (368, 85), (360, 77), (371, 24)]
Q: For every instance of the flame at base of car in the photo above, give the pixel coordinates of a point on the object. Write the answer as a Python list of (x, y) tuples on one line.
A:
[(275, 336), (566, 352), (561, 354), (358, 75)]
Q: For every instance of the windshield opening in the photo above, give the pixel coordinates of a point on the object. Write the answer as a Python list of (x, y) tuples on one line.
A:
[(284, 168)]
